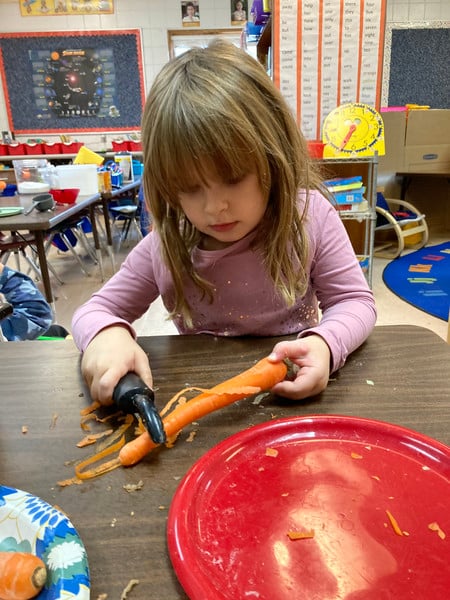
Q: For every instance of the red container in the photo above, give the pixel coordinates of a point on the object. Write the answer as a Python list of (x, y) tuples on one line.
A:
[(16, 149), (120, 146), (3, 149), (70, 147), (51, 148), (315, 149), (134, 146), (65, 196), (33, 149)]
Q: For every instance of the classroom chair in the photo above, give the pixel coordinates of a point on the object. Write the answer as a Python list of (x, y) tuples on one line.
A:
[(18, 244), (128, 212), (399, 224)]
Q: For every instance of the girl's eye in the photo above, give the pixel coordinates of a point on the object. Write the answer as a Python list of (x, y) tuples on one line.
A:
[(235, 180), (191, 190)]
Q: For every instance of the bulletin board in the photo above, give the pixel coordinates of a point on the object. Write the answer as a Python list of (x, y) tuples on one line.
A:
[(417, 65), (72, 81), (327, 53)]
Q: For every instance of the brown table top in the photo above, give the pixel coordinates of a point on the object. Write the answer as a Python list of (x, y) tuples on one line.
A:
[(42, 221), (408, 367)]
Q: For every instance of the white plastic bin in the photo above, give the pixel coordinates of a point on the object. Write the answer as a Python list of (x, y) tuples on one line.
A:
[(83, 177)]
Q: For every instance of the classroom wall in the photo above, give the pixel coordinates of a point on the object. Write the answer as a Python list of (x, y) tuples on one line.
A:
[(154, 17)]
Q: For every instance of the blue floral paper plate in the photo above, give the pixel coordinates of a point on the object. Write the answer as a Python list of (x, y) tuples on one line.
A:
[(28, 524)]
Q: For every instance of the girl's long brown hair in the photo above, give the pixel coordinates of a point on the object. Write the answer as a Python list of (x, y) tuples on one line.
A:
[(215, 111)]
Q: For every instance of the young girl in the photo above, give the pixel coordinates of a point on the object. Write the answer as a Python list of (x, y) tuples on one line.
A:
[(242, 243)]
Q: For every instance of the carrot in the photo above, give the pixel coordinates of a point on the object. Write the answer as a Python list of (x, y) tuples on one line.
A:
[(262, 376), (22, 575)]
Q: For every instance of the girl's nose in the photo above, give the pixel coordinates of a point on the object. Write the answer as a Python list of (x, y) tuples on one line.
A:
[(215, 201)]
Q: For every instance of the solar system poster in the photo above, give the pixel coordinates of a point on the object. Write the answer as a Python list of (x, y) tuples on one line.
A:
[(69, 82)]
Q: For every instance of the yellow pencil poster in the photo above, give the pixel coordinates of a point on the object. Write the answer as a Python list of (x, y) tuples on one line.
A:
[(34, 8)]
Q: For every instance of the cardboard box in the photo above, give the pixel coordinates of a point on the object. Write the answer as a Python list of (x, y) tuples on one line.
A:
[(393, 160), (427, 141), (417, 141)]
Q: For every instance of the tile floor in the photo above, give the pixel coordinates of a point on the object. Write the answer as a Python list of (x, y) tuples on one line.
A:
[(78, 288)]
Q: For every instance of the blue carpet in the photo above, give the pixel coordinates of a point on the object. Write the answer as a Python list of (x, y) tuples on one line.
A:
[(422, 278)]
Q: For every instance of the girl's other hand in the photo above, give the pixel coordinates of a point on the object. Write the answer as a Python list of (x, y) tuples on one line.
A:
[(111, 354), (312, 357)]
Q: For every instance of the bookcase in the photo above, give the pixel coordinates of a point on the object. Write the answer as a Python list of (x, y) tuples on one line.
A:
[(360, 225)]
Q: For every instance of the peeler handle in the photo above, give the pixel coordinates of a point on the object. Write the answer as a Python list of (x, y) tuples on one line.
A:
[(127, 388), (131, 395)]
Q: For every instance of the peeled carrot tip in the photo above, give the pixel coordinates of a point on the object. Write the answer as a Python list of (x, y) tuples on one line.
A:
[(22, 575)]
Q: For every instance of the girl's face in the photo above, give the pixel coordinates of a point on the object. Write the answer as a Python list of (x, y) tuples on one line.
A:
[(224, 211)]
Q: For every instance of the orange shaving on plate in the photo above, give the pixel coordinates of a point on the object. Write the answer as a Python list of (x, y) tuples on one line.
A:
[(271, 452), (394, 524), (300, 535), (435, 527)]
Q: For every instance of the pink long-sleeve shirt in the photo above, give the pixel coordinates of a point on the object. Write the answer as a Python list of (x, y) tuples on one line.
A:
[(245, 301)]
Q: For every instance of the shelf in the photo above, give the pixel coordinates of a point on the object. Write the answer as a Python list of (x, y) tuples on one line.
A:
[(360, 226), (357, 215), (56, 157)]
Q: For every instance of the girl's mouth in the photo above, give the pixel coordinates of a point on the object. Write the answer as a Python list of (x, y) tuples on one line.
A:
[(223, 227)]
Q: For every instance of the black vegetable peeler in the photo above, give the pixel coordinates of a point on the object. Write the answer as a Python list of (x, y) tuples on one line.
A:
[(131, 395)]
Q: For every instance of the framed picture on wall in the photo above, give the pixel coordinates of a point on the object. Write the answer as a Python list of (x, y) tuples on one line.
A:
[(73, 81), (190, 13), (238, 12)]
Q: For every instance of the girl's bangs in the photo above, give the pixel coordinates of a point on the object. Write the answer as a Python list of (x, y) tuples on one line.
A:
[(190, 163)]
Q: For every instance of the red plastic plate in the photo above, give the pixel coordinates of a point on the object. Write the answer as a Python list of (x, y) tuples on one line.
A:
[(338, 476)]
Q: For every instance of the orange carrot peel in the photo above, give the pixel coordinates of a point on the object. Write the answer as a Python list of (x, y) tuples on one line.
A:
[(80, 471), (395, 526), (301, 535), (260, 377)]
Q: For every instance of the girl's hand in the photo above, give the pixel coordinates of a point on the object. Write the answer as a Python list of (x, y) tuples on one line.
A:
[(111, 354), (312, 355)]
